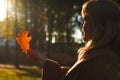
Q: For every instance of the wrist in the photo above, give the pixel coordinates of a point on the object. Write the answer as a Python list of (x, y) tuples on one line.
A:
[(41, 62)]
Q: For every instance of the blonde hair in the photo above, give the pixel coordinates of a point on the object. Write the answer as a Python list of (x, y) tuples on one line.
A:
[(104, 15)]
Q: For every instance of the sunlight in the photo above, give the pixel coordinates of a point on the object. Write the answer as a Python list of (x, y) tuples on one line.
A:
[(2, 10)]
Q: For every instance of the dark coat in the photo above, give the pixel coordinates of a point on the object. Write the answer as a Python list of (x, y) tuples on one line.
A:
[(104, 65)]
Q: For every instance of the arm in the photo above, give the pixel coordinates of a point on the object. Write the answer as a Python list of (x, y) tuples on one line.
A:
[(53, 71)]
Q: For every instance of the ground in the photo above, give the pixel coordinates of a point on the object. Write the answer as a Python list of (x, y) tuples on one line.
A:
[(10, 72)]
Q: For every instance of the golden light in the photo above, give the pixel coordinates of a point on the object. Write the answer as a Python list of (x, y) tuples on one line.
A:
[(2, 10)]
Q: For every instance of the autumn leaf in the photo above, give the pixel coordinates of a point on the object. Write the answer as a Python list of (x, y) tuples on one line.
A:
[(24, 40)]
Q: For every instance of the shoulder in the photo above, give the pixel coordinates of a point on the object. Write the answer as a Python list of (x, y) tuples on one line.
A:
[(102, 67), (112, 70), (101, 64)]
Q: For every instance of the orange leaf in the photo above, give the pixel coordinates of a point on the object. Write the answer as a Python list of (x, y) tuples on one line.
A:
[(23, 40)]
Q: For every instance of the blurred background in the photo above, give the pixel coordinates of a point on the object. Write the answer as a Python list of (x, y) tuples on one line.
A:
[(54, 26)]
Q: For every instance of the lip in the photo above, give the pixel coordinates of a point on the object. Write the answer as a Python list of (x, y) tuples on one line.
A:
[(83, 32), (83, 35)]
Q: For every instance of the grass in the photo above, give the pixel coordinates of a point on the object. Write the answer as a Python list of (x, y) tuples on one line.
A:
[(10, 72)]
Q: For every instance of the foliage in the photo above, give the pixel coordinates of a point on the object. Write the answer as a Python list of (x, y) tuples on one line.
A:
[(49, 22)]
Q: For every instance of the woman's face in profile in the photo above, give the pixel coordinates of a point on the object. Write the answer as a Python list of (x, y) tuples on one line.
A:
[(86, 28)]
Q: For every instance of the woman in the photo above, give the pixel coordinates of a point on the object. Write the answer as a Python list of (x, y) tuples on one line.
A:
[(99, 59)]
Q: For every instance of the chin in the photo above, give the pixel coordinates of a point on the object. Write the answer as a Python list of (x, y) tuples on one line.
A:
[(85, 39)]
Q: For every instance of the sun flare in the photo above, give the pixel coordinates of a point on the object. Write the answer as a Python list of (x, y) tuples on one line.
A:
[(2, 10)]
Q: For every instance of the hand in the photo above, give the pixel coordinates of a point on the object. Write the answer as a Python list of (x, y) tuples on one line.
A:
[(36, 56)]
